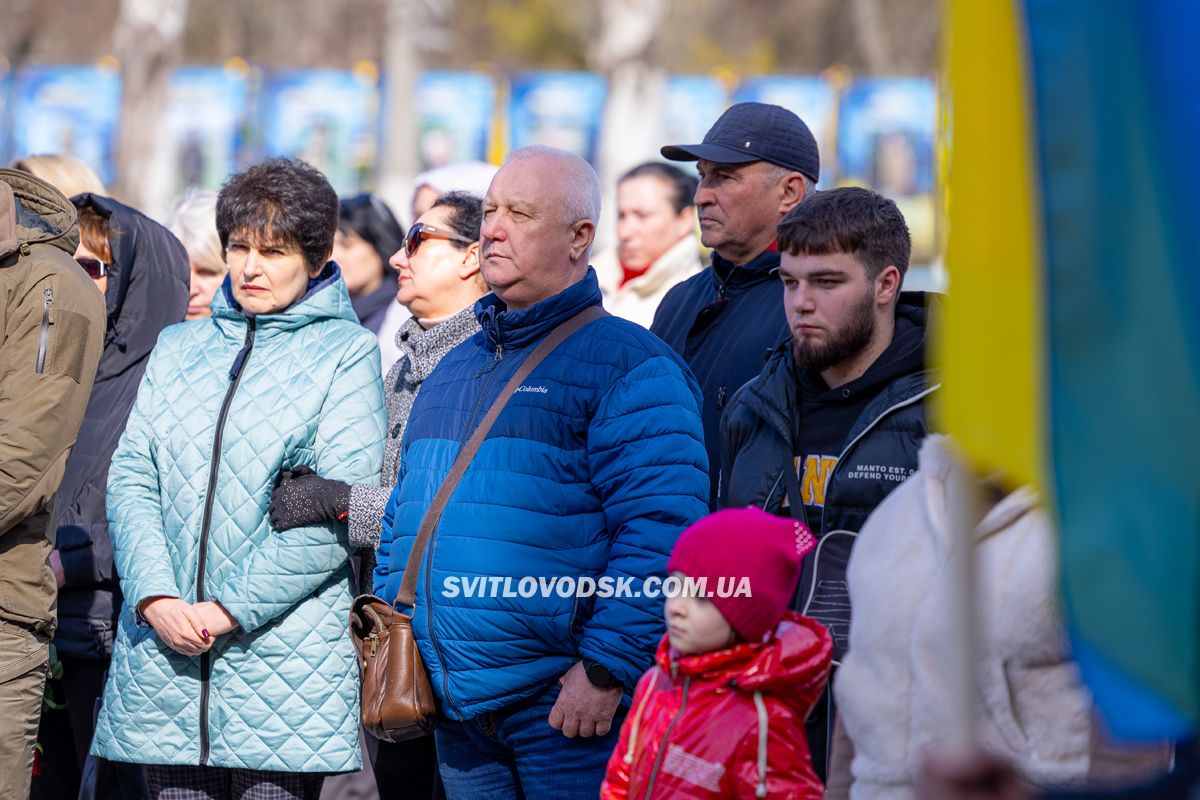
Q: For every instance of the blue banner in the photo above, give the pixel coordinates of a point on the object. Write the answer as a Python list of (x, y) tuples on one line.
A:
[(559, 109), (885, 141), (692, 104), (207, 115), (811, 98), (68, 111), (454, 112), (327, 118)]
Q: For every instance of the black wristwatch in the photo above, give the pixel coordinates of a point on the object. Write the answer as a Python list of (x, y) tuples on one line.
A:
[(599, 676)]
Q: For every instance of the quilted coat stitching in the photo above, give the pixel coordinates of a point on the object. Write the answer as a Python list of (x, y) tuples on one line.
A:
[(284, 689)]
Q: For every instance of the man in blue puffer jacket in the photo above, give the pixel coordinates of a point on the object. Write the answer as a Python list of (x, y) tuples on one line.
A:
[(593, 469)]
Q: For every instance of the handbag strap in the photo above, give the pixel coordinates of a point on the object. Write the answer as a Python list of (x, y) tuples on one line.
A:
[(408, 584)]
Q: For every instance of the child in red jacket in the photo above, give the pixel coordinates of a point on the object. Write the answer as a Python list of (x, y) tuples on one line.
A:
[(722, 714)]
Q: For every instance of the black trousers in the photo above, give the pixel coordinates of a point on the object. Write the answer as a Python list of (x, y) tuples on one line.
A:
[(66, 735), (405, 770)]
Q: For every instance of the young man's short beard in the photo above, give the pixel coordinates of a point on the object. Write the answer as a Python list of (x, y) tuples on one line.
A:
[(845, 343)]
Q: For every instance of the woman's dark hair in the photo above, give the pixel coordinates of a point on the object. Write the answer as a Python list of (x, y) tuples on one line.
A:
[(281, 201), (370, 218), (683, 186), (466, 215)]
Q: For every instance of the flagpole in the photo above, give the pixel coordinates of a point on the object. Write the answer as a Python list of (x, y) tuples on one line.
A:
[(964, 499)]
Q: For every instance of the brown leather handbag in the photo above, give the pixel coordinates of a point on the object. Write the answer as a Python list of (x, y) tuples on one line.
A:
[(397, 700)]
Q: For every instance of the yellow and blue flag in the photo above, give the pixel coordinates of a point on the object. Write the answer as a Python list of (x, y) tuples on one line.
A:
[(1071, 348)]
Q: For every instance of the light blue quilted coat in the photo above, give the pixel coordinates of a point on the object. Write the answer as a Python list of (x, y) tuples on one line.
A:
[(282, 690)]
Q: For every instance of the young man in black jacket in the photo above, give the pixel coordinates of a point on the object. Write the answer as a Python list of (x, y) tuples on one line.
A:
[(834, 421), (756, 163)]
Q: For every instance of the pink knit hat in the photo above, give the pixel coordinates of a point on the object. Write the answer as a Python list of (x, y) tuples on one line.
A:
[(745, 543)]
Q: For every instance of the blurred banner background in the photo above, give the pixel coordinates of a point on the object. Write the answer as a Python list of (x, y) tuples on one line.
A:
[(161, 95)]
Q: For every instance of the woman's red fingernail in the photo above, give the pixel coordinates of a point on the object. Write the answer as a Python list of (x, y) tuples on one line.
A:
[(204, 633)]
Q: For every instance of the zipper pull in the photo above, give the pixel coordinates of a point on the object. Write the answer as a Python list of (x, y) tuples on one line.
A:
[(44, 334), (25, 249), (499, 351), (240, 360)]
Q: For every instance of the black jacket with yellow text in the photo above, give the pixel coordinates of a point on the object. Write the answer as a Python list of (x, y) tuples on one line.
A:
[(758, 435)]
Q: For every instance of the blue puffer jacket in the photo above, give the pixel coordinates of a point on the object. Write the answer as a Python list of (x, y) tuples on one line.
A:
[(594, 468), (225, 404)]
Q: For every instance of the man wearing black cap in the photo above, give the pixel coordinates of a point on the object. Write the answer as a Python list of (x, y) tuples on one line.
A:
[(756, 163)]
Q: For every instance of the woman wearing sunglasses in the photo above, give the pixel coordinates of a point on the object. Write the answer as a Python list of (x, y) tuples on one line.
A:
[(439, 282), (143, 272)]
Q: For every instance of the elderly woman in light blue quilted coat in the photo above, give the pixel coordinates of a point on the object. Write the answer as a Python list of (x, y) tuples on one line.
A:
[(233, 672)]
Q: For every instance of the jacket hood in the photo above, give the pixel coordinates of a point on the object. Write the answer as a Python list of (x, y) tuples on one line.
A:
[(774, 394), (903, 356), (519, 328), (43, 213), (325, 298), (792, 665), (937, 463), (147, 283)]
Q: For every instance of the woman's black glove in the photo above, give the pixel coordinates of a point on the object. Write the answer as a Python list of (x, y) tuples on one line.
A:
[(302, 497)]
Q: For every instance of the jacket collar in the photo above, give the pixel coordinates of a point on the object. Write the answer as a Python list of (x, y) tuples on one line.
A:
[(774, 396), (516, 329), (790, 664), (937, 461), (680, 261), (422, 349), (326, 298), (732, 277), (376, 302)]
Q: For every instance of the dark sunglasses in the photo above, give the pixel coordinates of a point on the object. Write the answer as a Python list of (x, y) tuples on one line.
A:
[(420, 232), (94, 267)]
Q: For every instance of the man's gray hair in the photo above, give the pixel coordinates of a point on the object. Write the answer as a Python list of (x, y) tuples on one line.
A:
[(775, 173), (581, 184)]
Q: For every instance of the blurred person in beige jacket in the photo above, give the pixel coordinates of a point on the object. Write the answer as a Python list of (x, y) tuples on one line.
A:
[(656, 241)]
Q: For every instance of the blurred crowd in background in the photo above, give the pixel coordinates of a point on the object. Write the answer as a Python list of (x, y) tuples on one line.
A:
[(387, 89)]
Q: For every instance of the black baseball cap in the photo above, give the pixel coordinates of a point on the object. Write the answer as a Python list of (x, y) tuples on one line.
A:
[(755, 132)]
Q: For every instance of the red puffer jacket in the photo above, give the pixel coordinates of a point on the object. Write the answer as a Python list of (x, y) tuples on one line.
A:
[(725, 724)]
